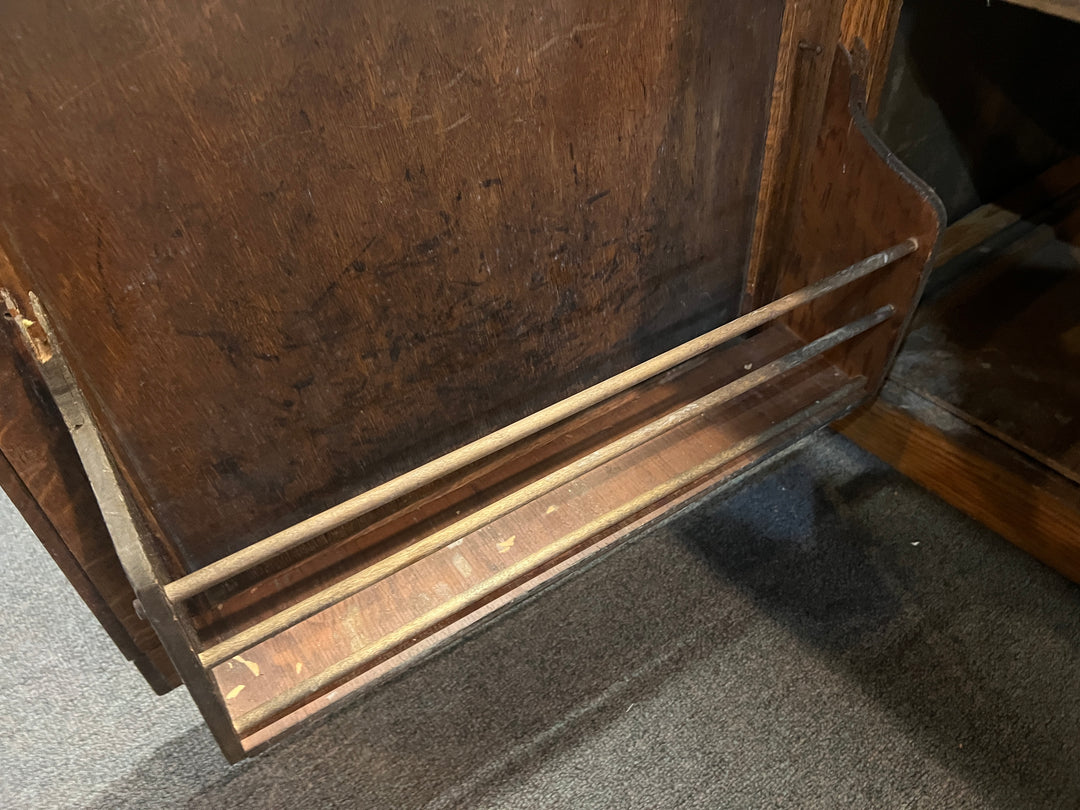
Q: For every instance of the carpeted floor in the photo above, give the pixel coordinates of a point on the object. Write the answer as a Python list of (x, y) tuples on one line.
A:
[(824, 635)]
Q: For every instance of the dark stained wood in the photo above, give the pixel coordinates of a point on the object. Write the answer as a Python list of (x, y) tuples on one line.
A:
[(477, 451), (810, 34), (869, 27), (1000, 348), (982, 404), (988, 479), (367, 542), (41, 473), (281, 663), (857, 196), (326, 638), (292, 253)]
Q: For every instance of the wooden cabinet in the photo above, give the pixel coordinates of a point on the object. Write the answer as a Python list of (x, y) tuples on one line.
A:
[(332, 330)]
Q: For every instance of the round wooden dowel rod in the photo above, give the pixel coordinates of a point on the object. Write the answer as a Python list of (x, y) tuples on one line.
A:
[(303, 690), (477, 520), (198, 581)]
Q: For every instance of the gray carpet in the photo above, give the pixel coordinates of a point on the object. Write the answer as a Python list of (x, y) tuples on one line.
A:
[(824, 635)]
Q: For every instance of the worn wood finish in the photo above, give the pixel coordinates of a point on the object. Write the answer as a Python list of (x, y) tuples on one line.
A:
[(873, 24), (323, 640), (476, 520), (134, 544), (297, 252), (348, 240), (989, 480), (421, 648), (1001, 347), (1068, 9), (486, 446), (810, 34), (982, 404), (40, 472), (858, 196), (393, 529), (469, 598)]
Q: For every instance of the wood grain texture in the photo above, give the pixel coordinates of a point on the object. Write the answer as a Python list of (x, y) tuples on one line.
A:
[(476, 520), (982, 403), (857, 196), (1000, 347), (516, 432), (809, 34), (292, 252), (995, 484), (1068, 9), (873, 23), (41, 473), (364, 543), (425, 647), (323, 640)]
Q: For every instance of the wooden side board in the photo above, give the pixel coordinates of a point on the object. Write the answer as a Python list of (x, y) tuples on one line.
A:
[(42, 475), (842, 212), (983, 404), (810, 34), (987, 479)]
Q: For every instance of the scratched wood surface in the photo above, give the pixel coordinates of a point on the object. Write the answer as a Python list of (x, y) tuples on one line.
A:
[(873, 23), (41, 474), (311, 646), (292, 251), (1000, 347), (359, 544), (857, 199), (809, 36)]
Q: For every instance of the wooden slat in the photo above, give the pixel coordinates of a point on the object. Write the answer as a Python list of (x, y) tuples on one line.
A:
[(407, 483), (41, 473), (857, 194), (325, 639), (475, 521), (468, 599), (229, 609), (810, 33), (426, 646)]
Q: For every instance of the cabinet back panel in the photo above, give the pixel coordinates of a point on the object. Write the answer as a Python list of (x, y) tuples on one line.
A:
[(295, 249)]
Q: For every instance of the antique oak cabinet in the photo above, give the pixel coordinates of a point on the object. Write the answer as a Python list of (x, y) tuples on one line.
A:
[(332, 328)]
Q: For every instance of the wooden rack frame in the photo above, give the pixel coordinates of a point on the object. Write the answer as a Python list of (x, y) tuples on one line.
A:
[(163, 604), (637, 445)]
